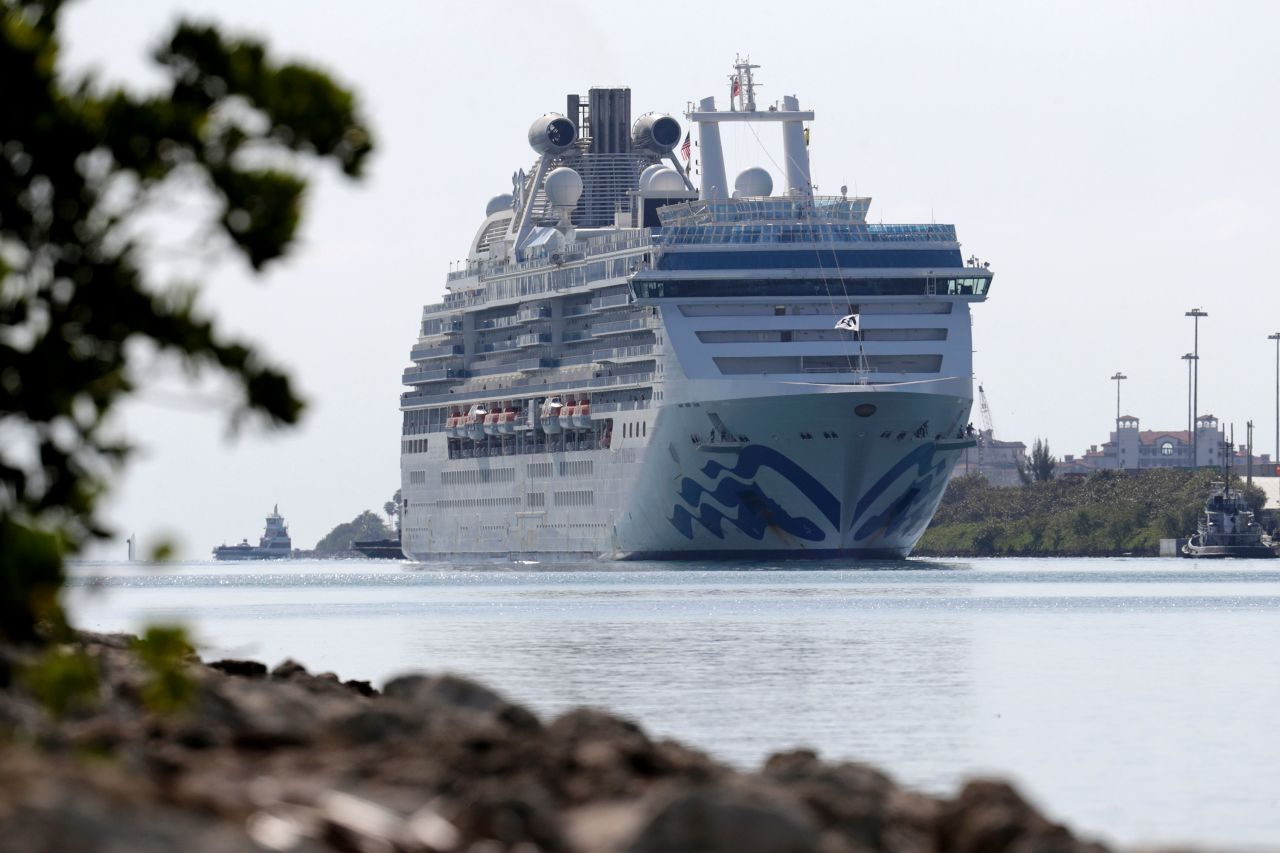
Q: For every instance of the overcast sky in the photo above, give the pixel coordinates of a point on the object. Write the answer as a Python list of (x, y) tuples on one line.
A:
[(1116, 162)]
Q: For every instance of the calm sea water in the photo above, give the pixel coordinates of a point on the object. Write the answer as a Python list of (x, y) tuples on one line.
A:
[(1138, 700)]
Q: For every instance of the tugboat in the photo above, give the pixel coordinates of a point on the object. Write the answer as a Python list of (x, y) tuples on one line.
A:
[(274, 544), (1227, 528)]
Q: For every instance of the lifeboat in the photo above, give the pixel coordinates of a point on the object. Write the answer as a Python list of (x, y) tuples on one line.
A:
[(567, 415), (453, 424), (491, 421), (507, 422), (550, 415), (582, 415), (474, 426)]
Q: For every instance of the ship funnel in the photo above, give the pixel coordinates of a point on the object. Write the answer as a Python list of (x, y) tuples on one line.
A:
[(655, 132), (552, 134)]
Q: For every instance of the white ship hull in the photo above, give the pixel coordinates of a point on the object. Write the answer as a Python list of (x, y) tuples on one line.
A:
[(812, 479)]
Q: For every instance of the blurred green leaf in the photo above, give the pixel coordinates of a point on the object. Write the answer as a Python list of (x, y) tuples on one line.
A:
[(79, 162), (64, 680)]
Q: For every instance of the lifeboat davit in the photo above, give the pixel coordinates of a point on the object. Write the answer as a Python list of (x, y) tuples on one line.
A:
[(507, 422), (567, 415), (474, 425), (550, 415), (491, 421), (582, 415)]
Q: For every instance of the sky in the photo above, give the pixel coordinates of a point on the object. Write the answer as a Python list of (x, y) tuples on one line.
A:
[(1115, 162)]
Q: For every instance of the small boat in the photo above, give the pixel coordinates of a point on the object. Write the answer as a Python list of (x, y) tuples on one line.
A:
[(493, 420), (274, 544), (453, 425), (567, 415), (1228, 529), (474, 426), (550, 415), (507, 421), (582, 415)]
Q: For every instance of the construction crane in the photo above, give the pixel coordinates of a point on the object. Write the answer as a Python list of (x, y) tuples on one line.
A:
[(988, 432)]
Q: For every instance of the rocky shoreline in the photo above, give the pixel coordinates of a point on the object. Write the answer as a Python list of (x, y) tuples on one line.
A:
[(282, 759)]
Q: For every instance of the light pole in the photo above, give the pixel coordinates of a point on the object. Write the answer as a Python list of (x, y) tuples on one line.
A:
[(1276, 459), (1118, 377), (1196, 314), (1189, 358)]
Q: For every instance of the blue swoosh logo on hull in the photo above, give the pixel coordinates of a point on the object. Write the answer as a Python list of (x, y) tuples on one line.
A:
[(910, 507), (757, 512)]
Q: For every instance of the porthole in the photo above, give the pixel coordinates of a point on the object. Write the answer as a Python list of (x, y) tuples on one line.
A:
[(864, 410)]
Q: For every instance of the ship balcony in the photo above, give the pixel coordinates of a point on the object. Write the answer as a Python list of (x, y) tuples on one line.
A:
[(578, 311), (426, 377), (620, 327), (618, 355), (603, 303), (575, 335), (506, 345), (422, 352), (499, 322), (529, 313), (533, 339), (530, 364)]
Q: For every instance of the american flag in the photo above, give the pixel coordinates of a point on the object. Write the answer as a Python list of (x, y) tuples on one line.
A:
[(684, 148)]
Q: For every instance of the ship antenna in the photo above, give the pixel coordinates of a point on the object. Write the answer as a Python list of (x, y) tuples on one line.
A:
[(742, 84)]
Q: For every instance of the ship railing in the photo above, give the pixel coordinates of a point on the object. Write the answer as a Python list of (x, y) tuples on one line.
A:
[(422, 377), (533, 339), (619, 406), (622, 326), (616, 353), (526, 386), (540, 259), (799, 232), (421, 353), (600, 303)]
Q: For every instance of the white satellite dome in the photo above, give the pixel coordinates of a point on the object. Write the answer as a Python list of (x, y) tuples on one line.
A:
[(563, 187), (753, 183), (648, 174), (497, 204), (666, 180)]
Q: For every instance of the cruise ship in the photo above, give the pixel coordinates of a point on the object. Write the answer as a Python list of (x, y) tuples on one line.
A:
[(639, 360)]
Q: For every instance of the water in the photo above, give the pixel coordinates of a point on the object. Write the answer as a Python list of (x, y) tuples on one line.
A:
[(1135, 699)]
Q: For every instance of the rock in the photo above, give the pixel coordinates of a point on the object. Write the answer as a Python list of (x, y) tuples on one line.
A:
[(434, 692), (245, 668), (259, 714), (850, 799), (436, 763), (603, 756), (989, 816), (726, 821), (287, 669), (363, 688)]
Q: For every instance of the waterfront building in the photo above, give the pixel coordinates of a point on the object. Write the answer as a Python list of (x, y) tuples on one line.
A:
[(1132, 448), (1000, 463)]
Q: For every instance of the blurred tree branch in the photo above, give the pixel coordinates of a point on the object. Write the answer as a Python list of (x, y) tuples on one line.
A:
[(79, 163)]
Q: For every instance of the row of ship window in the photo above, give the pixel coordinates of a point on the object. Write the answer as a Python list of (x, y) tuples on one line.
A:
[(536, 500), (483, 476)]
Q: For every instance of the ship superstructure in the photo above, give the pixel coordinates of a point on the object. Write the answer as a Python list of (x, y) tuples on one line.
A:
[(630, 366)]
